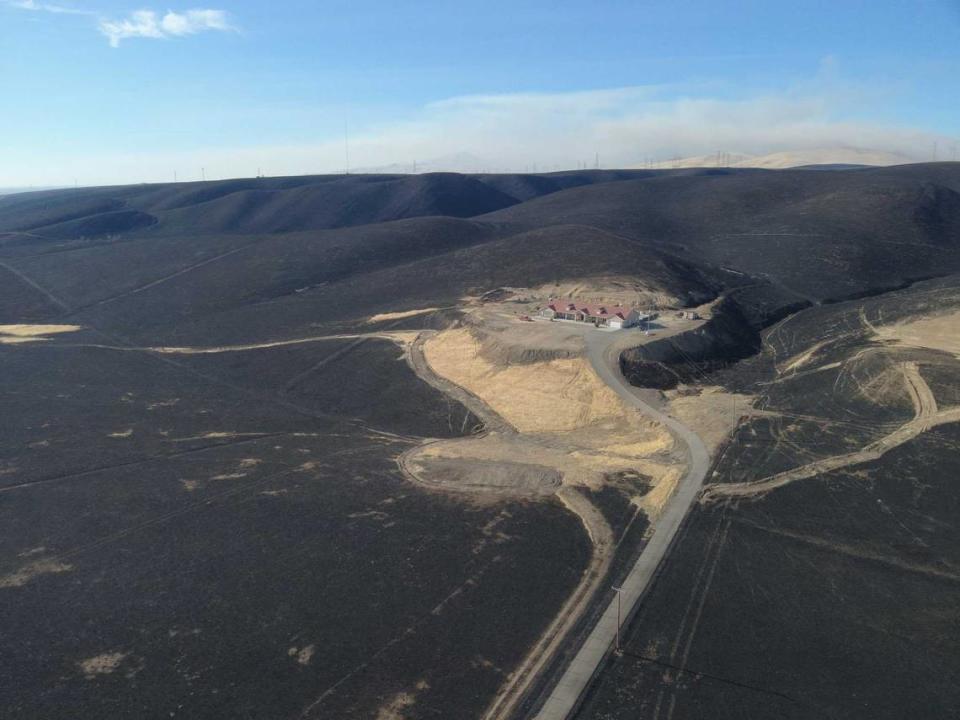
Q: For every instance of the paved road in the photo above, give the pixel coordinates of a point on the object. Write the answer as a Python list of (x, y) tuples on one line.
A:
[(603, 350)]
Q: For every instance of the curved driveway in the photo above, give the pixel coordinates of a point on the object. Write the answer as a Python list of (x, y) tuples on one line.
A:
[(603, 351)]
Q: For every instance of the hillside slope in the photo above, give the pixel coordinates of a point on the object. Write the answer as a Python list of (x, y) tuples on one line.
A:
[(206, 389), (820, 236), (267, 205)]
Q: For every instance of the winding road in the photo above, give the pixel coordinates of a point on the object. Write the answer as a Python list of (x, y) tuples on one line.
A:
[(603, 351)]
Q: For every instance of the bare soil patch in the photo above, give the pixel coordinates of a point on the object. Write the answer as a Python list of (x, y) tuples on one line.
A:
[(486, 476), (21, 577)]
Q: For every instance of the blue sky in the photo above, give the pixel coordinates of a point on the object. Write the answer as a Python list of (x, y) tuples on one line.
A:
[(114, 91)]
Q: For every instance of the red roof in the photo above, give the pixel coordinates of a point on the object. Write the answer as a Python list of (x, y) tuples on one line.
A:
[(598, 311)]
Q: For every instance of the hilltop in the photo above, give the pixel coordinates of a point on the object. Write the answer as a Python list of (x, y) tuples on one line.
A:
[(841, 157)]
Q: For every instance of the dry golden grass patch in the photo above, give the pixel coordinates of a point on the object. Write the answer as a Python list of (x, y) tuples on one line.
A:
[(553, 396), (396, 708), (302, 655), (381, 317), (654, 501), (567, 420), (938, 332), (101, 664), (16, 334), (712, 413), (21, 577)]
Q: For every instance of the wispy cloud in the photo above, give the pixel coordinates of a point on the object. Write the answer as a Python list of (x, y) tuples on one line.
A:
[(140, 23), (46, 7), (546, 131), (149, 24)]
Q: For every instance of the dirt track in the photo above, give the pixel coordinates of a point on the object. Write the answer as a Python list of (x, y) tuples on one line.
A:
[(926, 416), (603, 352), (596, 526), (529, 670), (491, 420)]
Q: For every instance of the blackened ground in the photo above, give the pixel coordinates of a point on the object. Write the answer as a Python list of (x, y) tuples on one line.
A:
[(835, 596), (227, 534), (238, 555), (629, 525), (366, 379), (816, 235), (723, 339)]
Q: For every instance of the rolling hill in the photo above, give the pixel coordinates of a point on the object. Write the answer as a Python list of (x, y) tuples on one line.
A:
[(835, 156), (206, 387)]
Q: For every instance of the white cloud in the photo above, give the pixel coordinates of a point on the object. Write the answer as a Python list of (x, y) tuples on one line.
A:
[(194, 21), (46, 7), (149, 24)]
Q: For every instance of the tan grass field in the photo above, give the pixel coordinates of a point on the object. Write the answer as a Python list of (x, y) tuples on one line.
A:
[(568, 422), (937, 332), (17, 334)]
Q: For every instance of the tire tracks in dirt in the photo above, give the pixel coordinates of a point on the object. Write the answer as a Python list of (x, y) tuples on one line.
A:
[(926, 416)]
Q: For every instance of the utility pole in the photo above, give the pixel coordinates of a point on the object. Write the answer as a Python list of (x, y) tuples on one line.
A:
[(618, 590), (203, 174), (174, 176), (346, 147)]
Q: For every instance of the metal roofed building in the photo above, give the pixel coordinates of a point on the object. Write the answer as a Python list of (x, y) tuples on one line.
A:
[(611, 316)]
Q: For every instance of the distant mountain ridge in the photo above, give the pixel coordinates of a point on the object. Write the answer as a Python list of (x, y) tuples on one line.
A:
[(839, 156), (15, 190)]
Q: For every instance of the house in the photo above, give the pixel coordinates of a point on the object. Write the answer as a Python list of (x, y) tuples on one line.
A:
[(612, 316), (688, 315)]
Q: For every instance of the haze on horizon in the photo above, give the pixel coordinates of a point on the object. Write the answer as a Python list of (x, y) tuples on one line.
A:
[(108, 91)]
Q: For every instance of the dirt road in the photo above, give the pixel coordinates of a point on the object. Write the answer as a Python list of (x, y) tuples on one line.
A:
[(603, 351), (492, 421), (601, 537), (927, 415)]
